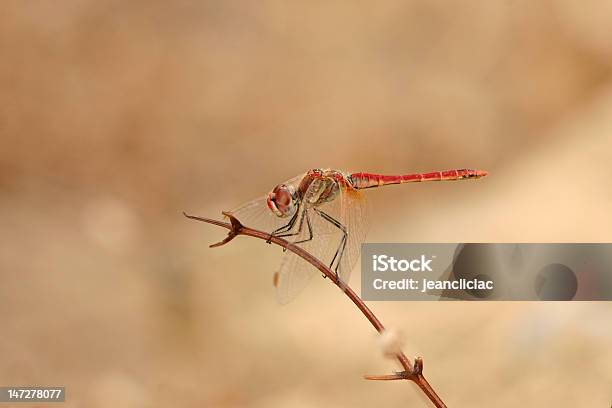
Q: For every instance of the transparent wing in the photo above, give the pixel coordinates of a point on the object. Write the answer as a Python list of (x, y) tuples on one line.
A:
[(256, 214), (349, 210), (295, 273), (355, 216)]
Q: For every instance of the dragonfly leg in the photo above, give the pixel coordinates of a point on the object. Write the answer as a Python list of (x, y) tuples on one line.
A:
[(309, 229), (299, 230), (340, 251), (284, 231), (284, 228)]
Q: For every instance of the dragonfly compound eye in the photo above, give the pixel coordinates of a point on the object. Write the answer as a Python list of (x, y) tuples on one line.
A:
[(281, 202)]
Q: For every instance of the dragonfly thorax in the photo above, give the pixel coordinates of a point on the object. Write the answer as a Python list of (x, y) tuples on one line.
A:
[(320, 191)]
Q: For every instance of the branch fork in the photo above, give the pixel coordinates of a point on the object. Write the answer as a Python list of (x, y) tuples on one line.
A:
[(412, 372)]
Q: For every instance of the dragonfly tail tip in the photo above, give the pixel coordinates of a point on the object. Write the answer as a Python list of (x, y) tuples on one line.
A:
[(481, 173)]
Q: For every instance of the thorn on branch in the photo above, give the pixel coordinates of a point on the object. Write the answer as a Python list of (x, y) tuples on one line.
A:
[(389, 377), (236, 227), (234, 231), (418, 366)]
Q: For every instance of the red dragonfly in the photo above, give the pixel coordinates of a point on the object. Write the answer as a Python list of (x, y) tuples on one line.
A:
[(325, 212)]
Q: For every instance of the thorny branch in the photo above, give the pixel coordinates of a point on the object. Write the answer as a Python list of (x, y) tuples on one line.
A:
[(411, 372)]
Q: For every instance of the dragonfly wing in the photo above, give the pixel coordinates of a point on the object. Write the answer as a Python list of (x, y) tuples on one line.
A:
[(311, 233), (355, 216), (256, 214), (295, 273), (349, 209), (292, 278)]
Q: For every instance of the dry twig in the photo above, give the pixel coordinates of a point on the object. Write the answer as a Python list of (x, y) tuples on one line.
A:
[(411, 372)]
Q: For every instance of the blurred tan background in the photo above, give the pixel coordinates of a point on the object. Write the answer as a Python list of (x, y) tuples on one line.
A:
[(116, 116)]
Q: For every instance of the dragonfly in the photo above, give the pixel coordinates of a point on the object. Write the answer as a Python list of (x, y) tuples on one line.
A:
[(325, 212)]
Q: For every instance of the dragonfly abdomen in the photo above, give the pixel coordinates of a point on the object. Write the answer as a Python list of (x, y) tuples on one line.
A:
[(369, 180)]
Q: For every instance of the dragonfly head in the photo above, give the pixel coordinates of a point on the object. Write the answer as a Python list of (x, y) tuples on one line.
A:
[(282, 201)]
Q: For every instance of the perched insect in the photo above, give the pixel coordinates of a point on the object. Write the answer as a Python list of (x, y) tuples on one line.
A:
[(325, 212)]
